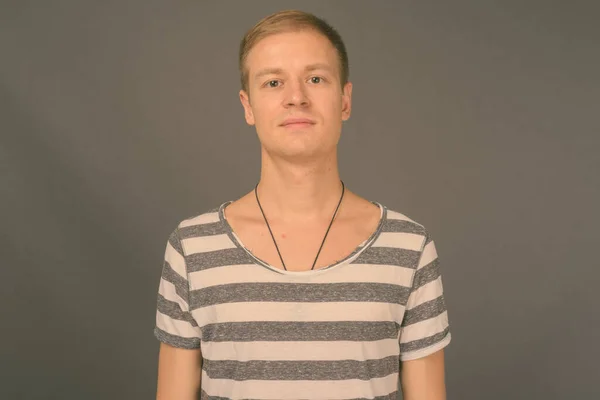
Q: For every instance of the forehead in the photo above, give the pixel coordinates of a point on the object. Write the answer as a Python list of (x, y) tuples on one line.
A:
[(295, 50)]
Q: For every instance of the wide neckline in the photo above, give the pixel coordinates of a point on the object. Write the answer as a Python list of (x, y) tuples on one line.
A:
[(349, 258)]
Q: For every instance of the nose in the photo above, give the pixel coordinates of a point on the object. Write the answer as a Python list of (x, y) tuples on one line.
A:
[(295, 95)]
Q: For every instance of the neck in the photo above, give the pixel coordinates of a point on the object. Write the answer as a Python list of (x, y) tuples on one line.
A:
[(293, 193)]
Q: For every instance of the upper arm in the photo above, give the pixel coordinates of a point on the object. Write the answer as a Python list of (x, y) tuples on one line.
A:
[(423, 378), (425, 330), (179, 373), (180, 358)]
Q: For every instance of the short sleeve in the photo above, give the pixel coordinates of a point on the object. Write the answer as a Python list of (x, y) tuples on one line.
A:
[(175, 324), (425, 328)]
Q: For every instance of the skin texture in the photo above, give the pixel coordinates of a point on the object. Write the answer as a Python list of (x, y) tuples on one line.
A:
[(296, 74), (282, 84), (299, 182), (423, 378), (178, 373)]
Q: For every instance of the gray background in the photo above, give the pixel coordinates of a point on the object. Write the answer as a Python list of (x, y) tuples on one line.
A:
[(477, 119)]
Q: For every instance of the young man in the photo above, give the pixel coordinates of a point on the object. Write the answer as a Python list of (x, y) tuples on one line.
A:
[(300, 289)]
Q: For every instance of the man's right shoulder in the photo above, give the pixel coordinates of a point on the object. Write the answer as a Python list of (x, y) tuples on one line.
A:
[(206, 217)]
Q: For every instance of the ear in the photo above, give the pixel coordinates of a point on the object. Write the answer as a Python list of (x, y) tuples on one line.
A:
[(346, 101), (248, 114)]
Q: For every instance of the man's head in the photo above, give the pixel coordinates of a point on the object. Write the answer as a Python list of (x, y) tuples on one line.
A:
[(290, 21), (294, 65)]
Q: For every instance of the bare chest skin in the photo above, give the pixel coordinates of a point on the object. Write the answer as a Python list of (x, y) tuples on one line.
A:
[(300, 243)]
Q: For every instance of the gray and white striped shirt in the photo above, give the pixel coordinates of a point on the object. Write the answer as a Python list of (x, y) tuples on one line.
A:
[(339, 332)]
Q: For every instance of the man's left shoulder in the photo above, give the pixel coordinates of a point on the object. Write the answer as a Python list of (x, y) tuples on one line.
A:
[(401, 230)]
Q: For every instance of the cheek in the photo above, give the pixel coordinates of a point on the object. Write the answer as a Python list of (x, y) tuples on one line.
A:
[(264, 111), (266, 118), (333, 110)]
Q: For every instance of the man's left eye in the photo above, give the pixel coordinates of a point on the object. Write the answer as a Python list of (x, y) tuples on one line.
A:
[(315, 79)]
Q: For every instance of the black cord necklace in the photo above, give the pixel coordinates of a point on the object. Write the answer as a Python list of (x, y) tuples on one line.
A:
[(322, 243)]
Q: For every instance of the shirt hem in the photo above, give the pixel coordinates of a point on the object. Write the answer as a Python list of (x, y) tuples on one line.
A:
[(427, 350)]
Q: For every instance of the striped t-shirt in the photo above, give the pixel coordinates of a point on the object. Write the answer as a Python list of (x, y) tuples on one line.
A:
[(338, 332)]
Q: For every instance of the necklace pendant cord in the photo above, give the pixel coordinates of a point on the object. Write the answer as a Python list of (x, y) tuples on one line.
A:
[(326, 233)]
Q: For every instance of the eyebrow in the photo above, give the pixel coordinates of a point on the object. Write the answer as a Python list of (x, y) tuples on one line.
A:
[(311, 67)]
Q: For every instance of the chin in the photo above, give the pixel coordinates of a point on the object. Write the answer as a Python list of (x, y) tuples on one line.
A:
[(303, 152)]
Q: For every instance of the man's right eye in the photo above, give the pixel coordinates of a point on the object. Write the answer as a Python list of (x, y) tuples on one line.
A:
[(272, 83)]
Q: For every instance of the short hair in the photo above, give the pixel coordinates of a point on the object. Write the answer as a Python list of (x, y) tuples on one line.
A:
[(290, 21)]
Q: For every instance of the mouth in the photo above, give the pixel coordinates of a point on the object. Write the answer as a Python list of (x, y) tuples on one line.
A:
[(297, 123)]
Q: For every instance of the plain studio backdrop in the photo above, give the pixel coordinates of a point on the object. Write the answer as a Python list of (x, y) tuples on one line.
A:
[(478, 119)]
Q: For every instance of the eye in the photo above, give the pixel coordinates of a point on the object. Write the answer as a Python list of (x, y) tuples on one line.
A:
[(273, 83), (316, 79)]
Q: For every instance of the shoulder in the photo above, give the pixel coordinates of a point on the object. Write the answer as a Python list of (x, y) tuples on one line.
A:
[(398, 217), (205, 224), (204, 217), (199, 230), (402, 227)]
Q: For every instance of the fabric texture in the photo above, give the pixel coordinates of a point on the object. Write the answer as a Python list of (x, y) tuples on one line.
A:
[(338, 332)]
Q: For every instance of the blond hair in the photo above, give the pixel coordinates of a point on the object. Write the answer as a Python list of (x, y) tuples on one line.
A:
[(286, 21)]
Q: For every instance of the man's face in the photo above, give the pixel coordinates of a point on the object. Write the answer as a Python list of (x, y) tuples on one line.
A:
[(296, 75)]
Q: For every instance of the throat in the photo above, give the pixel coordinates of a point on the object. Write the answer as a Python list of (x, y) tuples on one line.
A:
[(298, 245)]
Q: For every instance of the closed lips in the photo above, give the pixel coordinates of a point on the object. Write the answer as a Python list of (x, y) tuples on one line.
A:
[(297, 121)]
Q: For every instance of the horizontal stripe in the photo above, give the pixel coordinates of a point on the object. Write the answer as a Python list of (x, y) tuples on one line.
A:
[(205, 396), (299, 331), (426, 274), (175, 259), (204, 244), (424, 311), (428, 239), (429, 291), (402, 225), (429, 253), (218, 258), (173, 310), (294, 311), (205, 229), (294, 390), (388, 256), (301, 370), (179, 283), (392, 396), (182, 328), (395, 215), (424, 328), (235, 256), (424, 342), (208, 217), (404, 240), (176, 341), (175, 243), (333, 334), (373, 273), (296, 351), (299, 292)]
